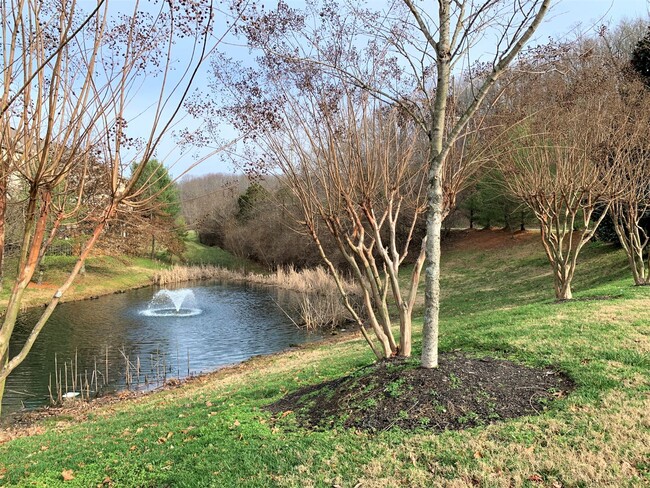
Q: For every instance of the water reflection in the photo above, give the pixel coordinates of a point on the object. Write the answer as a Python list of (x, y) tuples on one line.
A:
[(236, 323)]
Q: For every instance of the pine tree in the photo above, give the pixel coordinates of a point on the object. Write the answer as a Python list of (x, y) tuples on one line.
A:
[(640, 60)]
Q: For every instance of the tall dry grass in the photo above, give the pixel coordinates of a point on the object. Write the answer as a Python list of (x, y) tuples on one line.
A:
[(320, 303)]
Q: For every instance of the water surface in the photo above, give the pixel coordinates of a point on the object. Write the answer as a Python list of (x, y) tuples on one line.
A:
[(236, 322)]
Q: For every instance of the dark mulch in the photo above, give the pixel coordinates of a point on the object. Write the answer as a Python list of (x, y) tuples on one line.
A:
[(463, 392)]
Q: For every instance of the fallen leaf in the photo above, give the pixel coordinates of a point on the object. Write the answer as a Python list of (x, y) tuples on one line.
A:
[(67, 474), (236, 423), (133, 448), (208, 404), (478, 455), (413, 459), (284, 414), (535, 478)]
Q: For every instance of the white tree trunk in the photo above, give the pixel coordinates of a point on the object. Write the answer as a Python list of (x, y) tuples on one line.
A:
[(432, 277)]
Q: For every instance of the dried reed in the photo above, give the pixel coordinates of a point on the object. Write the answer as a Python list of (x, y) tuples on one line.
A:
[(321, 303)]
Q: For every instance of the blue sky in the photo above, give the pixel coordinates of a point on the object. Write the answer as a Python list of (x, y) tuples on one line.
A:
[(566, 18)]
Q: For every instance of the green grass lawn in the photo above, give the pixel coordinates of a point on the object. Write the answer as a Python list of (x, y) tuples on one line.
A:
[(104, 274), (498, 301), (198, 254)]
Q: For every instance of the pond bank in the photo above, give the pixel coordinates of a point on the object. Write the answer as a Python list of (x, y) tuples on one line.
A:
[(104, 275), (31, 422)]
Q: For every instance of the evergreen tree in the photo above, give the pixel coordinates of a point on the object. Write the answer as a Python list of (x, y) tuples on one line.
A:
[(160, 208), (640, 60), (249, 202), (158, 190)]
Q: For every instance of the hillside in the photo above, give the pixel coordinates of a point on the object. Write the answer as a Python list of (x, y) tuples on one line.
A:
[(498, 302)]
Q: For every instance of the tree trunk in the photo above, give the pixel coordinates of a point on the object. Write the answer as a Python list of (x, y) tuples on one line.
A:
[(4, 359), (435, 195), (432, 277), (3, 211), (563, 290), (405, 335), (506, 219)]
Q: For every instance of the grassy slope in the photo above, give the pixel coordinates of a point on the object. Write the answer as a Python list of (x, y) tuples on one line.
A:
[(104, 274), (108, 274), (197, 253), (497, 301)]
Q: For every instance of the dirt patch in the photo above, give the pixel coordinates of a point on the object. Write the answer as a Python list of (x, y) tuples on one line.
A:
[(463, 392)]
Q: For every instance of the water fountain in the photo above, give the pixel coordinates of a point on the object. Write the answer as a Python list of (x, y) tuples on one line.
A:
[(172, 303)]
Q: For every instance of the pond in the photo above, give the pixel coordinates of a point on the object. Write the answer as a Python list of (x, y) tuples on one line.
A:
[(104, 344)]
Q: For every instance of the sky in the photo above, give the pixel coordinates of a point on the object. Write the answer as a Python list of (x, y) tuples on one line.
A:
[(564, 20)]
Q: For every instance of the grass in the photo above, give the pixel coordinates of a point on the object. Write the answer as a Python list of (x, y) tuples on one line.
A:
[(497, 302), (104, 274), (198, 254)]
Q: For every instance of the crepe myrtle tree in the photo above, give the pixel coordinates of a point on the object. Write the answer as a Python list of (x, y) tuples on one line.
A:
[(558, 169), (630, 212), (405, 54), (69, 79), (355, 167), (587, 156)]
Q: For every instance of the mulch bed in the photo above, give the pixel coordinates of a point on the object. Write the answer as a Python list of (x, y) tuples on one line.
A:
[(462, 392)]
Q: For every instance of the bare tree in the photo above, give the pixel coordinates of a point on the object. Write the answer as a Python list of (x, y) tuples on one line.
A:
[(630, 210), (65, 120), (586, 156), (565, 167), (356, 168), (405, 55)]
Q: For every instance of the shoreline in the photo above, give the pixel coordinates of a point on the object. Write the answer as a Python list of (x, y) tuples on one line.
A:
[(107, 275), (24, 423)]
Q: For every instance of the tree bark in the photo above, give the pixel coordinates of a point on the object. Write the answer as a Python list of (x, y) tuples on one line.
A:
[(3, 211), (564, 290), (432, 273), (435, 195), (4, 359)]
